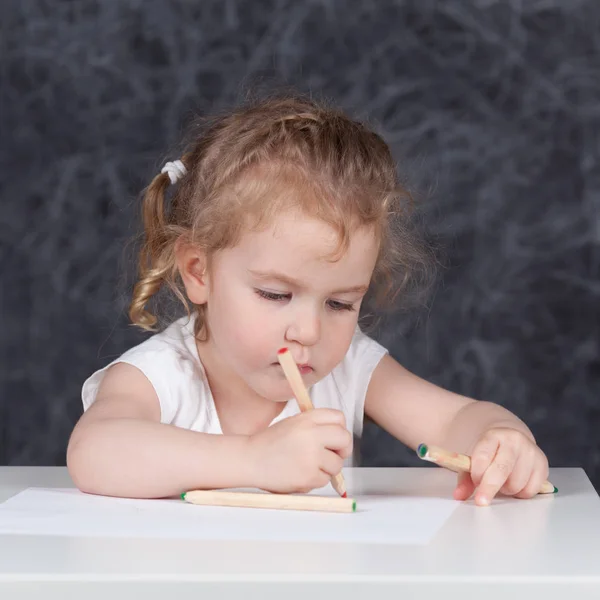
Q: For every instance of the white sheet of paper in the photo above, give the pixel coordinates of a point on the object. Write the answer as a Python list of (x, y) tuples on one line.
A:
[(381, 519)]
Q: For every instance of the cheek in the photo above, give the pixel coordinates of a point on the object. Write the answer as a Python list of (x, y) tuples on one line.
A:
[(338, 336), (247, 329), (257, 339)]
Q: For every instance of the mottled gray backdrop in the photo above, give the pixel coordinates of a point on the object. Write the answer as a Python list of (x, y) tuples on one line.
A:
[(492, 108)]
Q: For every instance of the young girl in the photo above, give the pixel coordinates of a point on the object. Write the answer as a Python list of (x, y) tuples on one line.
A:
[(283, 215)]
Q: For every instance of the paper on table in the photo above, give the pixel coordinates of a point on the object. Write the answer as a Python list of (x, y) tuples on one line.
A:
[(381, 519)]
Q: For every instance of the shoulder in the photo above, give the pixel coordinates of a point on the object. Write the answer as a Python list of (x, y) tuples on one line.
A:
[(363, 355), (345, 388), (165, 364)]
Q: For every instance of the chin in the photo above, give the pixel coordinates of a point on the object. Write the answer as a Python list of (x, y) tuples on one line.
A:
[(278, 392), (281, 400)]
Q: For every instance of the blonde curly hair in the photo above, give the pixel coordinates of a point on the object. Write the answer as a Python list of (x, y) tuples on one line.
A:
[(265, 157)]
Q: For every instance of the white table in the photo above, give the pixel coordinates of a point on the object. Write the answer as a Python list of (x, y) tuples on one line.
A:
[(545, 548)]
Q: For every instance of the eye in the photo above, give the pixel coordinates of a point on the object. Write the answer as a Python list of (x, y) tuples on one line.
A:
[(337, 306), (272, 295)]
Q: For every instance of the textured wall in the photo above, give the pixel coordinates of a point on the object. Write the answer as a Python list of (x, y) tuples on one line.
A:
[(492, 108)]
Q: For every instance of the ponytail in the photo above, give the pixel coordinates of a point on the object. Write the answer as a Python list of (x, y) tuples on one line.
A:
[(157, 254)]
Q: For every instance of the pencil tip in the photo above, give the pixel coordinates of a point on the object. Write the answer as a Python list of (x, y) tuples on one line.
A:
[(281, 350), (183, 496), (555, 490), (344, 495), (422, 450), (354, 506)]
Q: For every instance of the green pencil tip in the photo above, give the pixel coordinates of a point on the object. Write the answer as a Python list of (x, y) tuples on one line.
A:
[(555, 490), (354, 506), (422, 450), (183, 496)]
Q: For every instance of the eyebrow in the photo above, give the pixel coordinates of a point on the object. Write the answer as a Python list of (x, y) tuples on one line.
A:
[(274, 275)]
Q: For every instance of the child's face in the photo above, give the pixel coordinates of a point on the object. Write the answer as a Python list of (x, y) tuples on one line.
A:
[(277, 288)]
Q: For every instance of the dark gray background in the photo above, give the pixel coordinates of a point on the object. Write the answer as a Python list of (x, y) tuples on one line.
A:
[(491, 107)]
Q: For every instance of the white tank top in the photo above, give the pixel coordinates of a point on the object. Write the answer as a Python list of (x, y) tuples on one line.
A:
[(171, 363)]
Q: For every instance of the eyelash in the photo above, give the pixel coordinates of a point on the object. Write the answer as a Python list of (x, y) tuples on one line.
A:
[(339, 306)]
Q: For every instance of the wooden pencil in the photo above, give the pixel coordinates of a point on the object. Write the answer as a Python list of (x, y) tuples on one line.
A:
[(461, 462), (290, 369), (267, 500)]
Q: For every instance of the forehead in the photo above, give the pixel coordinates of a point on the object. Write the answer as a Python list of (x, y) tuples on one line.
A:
[(304, 246)]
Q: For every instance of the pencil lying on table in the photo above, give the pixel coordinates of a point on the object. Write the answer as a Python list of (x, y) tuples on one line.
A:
[(461, 462), (266, 500), (292, 374)]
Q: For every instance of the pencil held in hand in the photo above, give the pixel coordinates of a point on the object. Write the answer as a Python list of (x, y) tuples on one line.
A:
[(460, 462), (277, 501), (292, 374)]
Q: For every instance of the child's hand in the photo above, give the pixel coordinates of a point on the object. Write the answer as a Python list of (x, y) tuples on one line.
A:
[(300, 453), (503, 460)]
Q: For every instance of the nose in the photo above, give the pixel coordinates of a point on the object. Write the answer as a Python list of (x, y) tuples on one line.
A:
[(304, 327)]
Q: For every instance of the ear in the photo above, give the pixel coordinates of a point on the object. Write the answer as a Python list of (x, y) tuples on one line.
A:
[(192, 264)]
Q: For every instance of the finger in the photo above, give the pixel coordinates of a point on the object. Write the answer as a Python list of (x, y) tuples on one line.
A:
[(346, 452), (496, 475), (326, 416), (520, 475), (464, 486), (336, 438), (331, 463), (482, 457), (538, 476), (320, 480)]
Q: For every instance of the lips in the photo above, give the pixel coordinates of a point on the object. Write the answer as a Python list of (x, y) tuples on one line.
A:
[(304, 369)]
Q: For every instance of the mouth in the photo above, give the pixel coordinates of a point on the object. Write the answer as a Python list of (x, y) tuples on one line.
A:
[(304, 369)]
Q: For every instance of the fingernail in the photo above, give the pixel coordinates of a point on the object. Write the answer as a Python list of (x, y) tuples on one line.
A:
[(484, 500)]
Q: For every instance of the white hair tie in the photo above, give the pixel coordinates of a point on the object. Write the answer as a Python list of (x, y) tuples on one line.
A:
[(176, 170)]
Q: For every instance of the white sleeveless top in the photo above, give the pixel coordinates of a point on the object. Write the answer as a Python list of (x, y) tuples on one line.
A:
[(171, 363)]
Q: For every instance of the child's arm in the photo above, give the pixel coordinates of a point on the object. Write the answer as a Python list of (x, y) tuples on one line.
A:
[(503, 451), (120, 448)]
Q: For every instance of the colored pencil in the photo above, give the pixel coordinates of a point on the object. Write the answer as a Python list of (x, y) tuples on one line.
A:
[(290, 369), (266, 500), (461, 462)]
